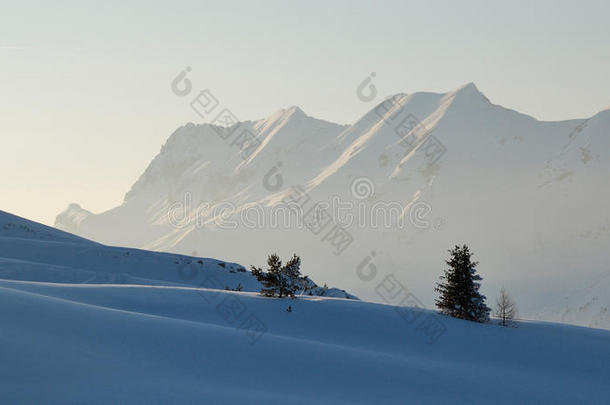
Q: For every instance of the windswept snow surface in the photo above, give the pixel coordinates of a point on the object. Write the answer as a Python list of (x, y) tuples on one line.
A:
[(100, 344), (83, 323)]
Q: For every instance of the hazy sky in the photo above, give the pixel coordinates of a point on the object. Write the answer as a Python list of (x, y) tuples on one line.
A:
[(85, 88)]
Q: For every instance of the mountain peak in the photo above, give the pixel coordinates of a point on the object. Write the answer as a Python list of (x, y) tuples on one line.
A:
[(281, 117), (470, 85), (468, 88), (70, 218), (467, 95), (290, 112), (295, 109)]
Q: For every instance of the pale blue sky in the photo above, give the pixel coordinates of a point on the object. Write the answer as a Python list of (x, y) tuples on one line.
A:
[(85, 88)]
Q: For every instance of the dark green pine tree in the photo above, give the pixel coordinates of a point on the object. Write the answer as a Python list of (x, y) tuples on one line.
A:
[(279, 280), (272, 278), (292, 274), (459, 288)]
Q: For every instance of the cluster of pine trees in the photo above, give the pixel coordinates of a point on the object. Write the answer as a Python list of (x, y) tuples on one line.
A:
[(278, 280), (458, 289)]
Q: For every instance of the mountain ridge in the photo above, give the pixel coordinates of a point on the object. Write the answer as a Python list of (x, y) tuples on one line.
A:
[(478, 172)]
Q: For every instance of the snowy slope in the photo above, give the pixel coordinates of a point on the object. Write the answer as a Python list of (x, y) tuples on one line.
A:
[(530, 197), (34, 252), (99, 344), (85, 323)]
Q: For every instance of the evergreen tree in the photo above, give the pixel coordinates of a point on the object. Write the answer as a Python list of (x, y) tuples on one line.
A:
[(292, 273), (279, 280), (270, 279), (459, 288)]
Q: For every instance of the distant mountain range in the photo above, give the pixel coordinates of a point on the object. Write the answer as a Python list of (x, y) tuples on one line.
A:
[(529, 197)]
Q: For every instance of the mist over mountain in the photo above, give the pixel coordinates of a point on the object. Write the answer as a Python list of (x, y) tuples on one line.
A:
[(415, 175)]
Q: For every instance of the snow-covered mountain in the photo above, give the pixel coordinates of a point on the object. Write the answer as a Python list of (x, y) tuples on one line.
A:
[(529, 197), (588, 305), (87, 323)]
